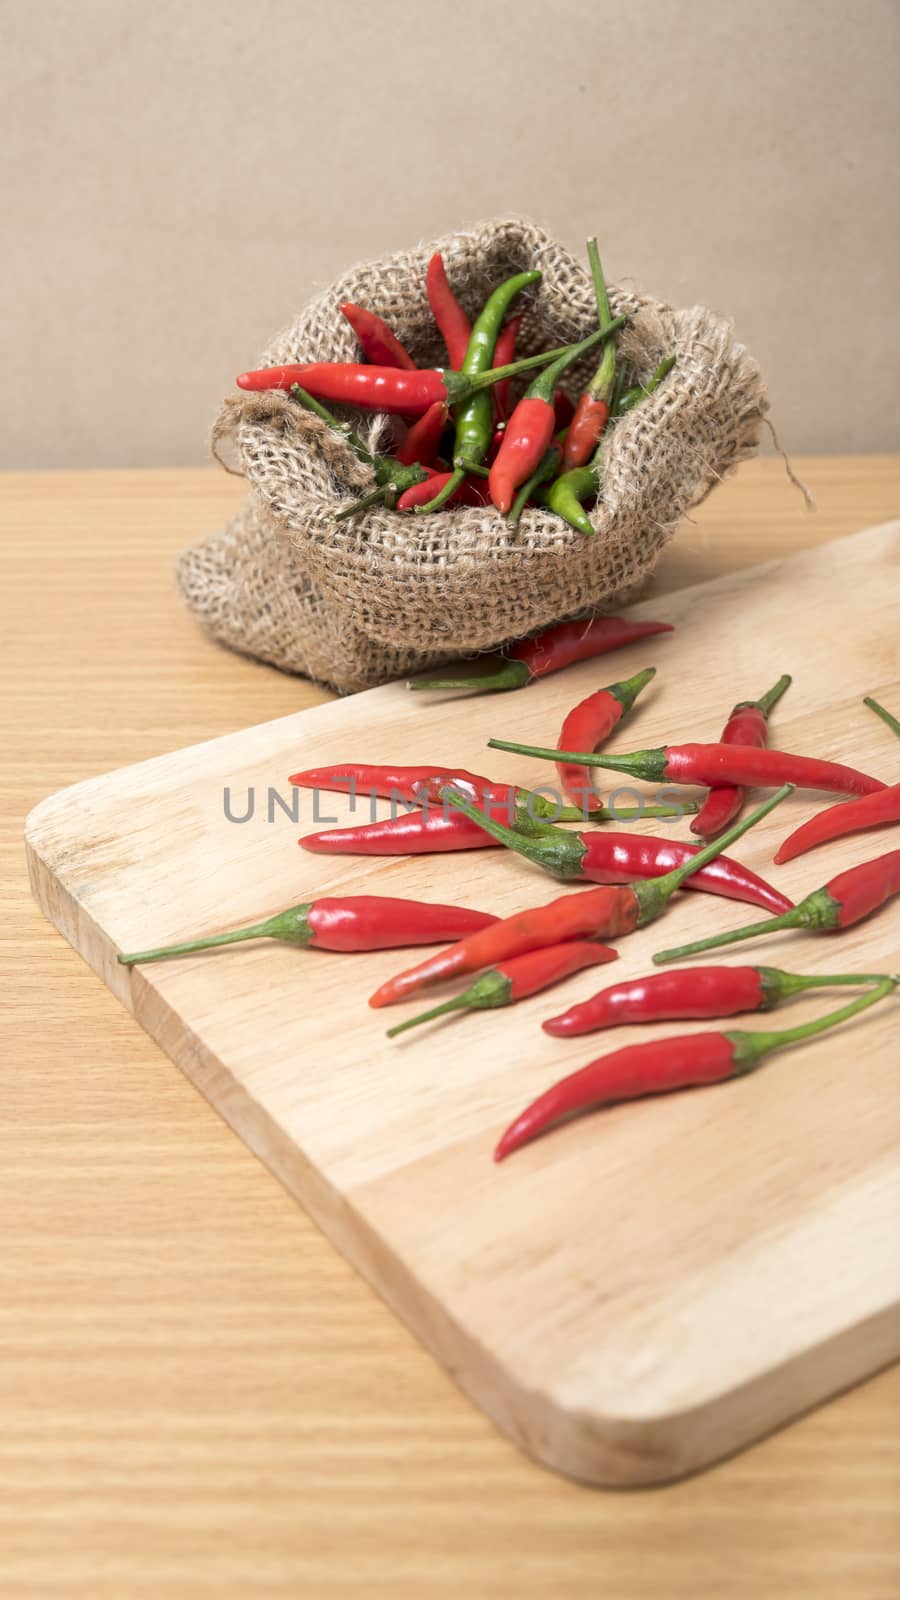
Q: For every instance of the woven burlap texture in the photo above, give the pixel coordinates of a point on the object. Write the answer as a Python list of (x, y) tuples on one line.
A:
[(359, 602)]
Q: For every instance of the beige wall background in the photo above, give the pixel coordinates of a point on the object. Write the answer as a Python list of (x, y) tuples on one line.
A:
[(180, 178)]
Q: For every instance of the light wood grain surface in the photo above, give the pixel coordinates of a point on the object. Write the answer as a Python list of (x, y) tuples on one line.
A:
[(196, 1394), (577, 1294)]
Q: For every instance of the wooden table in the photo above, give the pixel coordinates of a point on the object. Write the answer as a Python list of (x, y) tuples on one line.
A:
[(197, 1395)]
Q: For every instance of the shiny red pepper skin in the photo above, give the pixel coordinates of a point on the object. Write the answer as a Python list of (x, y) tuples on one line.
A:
[(662, 1065), (504, 352), (398, 783), (748, 724), (550, 651), (377, 922), (589, 724), (453, 324), (517, 978), (656, 1067), (848, 816), (628, 857), (714, 764), (569, 642), (861, 890), (594, 913), (377, 388), (585, 429), (418, 833), (471, 492), (699, 992), (350, 923), (843, 901), (378, 343), (423, 438), (528, 433), (698, 763)]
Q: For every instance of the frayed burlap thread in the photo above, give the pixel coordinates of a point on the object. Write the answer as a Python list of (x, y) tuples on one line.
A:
[(359, 602)]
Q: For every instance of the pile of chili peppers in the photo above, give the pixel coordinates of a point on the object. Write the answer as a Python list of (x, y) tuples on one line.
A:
[(632, 878), (459, 438)]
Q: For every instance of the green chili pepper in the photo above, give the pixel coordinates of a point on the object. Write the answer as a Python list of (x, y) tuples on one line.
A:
[(474, 418)]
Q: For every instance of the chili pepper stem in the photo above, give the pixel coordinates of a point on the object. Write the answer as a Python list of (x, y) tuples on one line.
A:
[(376, 497), (563, 852), (810, 913), (770, 699), (292, 926), (749, 1048), (653, 893), (453, 483), (790, 983), (458, 1003), (310, 403), (881, 712)]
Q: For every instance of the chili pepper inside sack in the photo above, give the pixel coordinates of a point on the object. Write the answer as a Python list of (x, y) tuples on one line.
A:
[(380, 595)]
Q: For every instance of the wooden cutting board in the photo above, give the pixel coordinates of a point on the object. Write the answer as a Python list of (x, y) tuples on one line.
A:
[(650, 1287)]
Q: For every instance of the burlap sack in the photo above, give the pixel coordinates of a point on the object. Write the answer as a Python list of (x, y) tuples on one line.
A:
[(359, 602)]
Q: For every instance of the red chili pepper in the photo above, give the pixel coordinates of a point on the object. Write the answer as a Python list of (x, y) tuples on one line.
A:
[(605, 857), (518, 978), (529, 430), (843, 901), (355, 922), (424, 437), (552, 650), (391, 389), (428, 832), (699, 992), (471, 491), (593, 409), (748, 724), (589, 724), (849, 816), (504, 353), (378, 343), (661, 1065), (394, 783), (453, 324), (563, 410), (715, 764), (593, 913)]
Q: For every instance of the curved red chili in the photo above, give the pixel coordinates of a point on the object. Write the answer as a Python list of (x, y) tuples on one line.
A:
[(351, 923), (713, 764), (661, 1065), (453, 324), (504, 353), (849, 816), (530, 429), (844, 900), (379, 344), (593, 913), (589, 724), (699, 992), (593, 409), (430, 831), (390, 389), (550, 651), (602, 856), (518, 978), (424, 437), (748, 724)]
